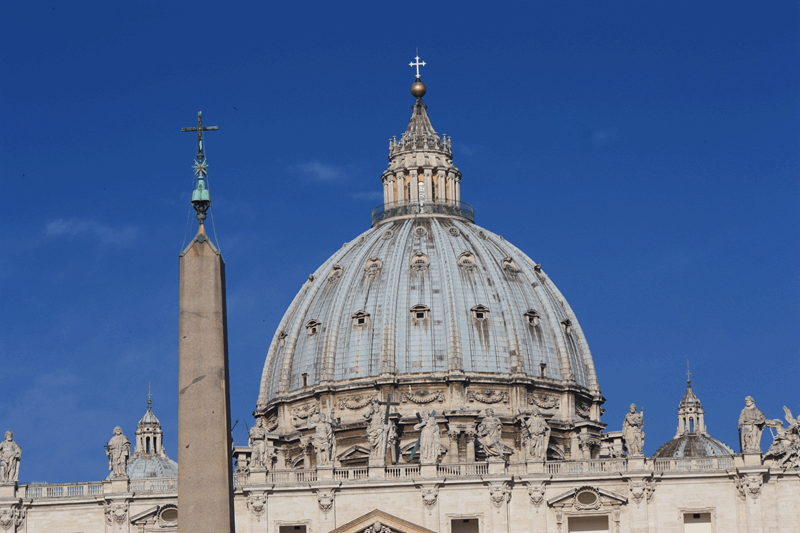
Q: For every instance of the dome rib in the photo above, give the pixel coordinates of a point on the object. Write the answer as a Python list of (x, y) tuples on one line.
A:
[(454, 359), (390, 354)]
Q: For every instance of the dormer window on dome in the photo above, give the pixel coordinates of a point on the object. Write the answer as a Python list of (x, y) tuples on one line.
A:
[(420, 314), (567, 326), (467, 261), (360, 320), (532, 317), (373, 267), (480, 313), (313, 327)]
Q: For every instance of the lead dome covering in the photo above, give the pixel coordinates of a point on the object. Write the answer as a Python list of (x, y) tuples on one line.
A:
[(490, 310)]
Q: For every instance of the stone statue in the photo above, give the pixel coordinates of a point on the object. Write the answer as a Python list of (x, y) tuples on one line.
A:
[(377, 434), (632, 431), (785, 448), (537, 434), (751, 424), (377, 527), (429, 446), (10, 452), (118, 451), (324, 440), (490, 436), (257, 439)]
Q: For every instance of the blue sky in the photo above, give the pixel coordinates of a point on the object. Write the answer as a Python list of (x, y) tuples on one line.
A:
[(646, 155)]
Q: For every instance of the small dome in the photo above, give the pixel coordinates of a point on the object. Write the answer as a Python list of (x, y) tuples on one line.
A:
[(152, 466), (693, 446), (149, 418)]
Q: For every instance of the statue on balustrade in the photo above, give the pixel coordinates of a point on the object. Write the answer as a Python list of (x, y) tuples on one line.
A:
[(118, 451), (536, 435), (751, 424), (324, 440), (785, 448), (257, 439), (633, 432), (10, 452), (490, 435), (429, 445), (378, 432)]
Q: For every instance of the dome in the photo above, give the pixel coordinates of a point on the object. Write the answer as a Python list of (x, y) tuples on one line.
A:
[(429, 309), (693, 446), (692, 439), (426, 294), (150, 459)]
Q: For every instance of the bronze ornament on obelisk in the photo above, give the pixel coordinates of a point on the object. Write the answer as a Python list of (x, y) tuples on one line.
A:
[(205, 479)]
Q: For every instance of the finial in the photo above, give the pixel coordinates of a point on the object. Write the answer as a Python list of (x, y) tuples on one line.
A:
[(418, 88), (688, 374), (149, 396), (200, 196)]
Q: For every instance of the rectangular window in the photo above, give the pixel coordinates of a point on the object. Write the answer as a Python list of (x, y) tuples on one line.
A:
[(463, 525), (588, 524), (697, 523), (292, 529)]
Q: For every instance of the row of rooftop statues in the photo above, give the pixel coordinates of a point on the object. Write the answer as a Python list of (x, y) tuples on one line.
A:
[(381, 434)]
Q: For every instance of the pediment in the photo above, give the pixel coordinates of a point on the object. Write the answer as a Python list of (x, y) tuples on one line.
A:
[(367, 523), (587, 498), (353, 452)]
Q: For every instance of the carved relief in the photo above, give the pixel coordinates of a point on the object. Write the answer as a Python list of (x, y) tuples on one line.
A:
[(422, 396), (582, 409), (388, 234), (356, 402), (640, 489), (116, 513), (257, 504), (749, 484), (536, 494), (429, 497), (499, 493), (272, 423), (325, 500), (304, 411), (377, 527), (454, 231), (488, 396), (11, 518), (543, 401)]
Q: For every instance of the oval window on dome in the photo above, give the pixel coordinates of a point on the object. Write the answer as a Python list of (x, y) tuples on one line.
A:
[(466, 261), (532, 317)]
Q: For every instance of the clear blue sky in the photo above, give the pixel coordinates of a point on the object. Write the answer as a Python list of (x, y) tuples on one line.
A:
[(646, 155)]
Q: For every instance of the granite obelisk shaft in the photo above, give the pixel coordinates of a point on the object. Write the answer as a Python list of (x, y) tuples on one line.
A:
[(205, 482)]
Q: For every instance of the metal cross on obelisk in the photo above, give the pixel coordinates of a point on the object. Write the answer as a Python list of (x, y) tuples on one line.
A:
[(417, 64), (388, 403), (200, 129)]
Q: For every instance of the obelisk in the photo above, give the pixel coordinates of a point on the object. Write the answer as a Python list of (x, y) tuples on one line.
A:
[(205, 482)]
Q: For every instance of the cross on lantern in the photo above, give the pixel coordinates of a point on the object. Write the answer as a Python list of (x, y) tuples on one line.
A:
[(417, 64), (200, 129), (388, 403), (688, 372)]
